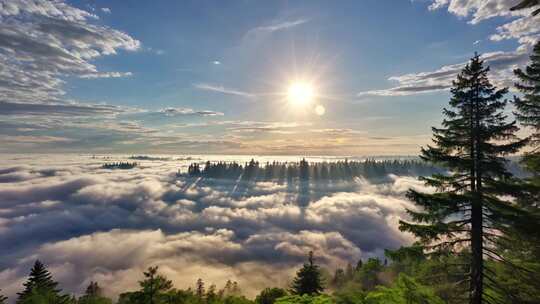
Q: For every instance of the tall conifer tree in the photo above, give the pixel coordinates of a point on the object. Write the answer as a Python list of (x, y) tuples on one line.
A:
[(40, 284), (308, 279), (468, 213), (93, 295), (153, 286), (522, 246), (528, 107)]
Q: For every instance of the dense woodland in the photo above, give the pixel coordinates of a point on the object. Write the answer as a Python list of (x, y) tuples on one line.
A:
[(119, 165), (478, 234), (316, 171)]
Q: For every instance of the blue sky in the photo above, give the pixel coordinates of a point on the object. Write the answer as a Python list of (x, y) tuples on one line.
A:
[(212, 76)]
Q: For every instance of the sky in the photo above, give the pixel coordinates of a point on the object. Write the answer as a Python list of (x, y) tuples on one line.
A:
[(215, 77)]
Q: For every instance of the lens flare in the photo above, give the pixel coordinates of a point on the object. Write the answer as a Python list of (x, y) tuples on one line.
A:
[(320, 110)]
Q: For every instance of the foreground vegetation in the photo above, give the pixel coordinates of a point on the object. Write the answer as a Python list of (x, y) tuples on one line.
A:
[(405, 276)]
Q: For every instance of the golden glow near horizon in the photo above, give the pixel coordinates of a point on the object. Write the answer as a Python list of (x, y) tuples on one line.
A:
[(300, 93)]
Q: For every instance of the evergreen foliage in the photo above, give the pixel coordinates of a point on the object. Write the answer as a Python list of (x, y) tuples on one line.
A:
[(405, 291), (200, 292), (306, 299), (153, 287), (270, 295), (315, 172), (119, 165), (469, 212), (528, 106), (308, 279), (93, 295), (40, 287)]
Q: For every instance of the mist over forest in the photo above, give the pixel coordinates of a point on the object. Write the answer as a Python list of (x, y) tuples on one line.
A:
[(59, 203)]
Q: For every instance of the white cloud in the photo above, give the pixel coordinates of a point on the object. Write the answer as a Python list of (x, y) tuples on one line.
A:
[(149, 216), (33, 139), (279, 26), (107, 75), (501, 63), (43, 41), (106, 10), (187, 111), (224, 90), (523, 28)]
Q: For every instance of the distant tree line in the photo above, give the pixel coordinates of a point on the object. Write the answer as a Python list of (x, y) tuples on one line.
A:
[(317, 171), (146, 157), (119, 165)]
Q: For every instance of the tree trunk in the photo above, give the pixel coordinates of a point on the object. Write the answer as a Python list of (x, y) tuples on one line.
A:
[(477, 265)]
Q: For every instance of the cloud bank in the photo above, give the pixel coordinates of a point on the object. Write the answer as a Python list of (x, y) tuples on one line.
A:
[(89, 223)]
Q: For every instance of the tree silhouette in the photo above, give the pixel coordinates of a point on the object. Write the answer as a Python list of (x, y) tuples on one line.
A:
[(468, 212), (199, 289), (93, 290), (359, 265), (40, 285), (93, 295), (528, 106), (308, 279), (153, 286)]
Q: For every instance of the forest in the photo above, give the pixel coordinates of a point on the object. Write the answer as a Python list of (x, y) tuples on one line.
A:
[(119, 165), (346, 170)]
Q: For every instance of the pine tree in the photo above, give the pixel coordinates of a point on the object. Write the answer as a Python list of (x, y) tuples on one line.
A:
[(40, 284), (93, 290), (227, 290), (522, 246), (349, 272), (200, 289), (308, 279), (153, 286), (468, 211), (528, 114), (93, 295), (339, 278), (211, 295), (528, 110), (359, 265)]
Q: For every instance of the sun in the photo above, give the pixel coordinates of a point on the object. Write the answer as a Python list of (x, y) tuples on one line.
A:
[(300, 93)]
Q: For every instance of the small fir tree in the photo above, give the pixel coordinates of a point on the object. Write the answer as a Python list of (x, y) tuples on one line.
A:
[(308, 279)]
